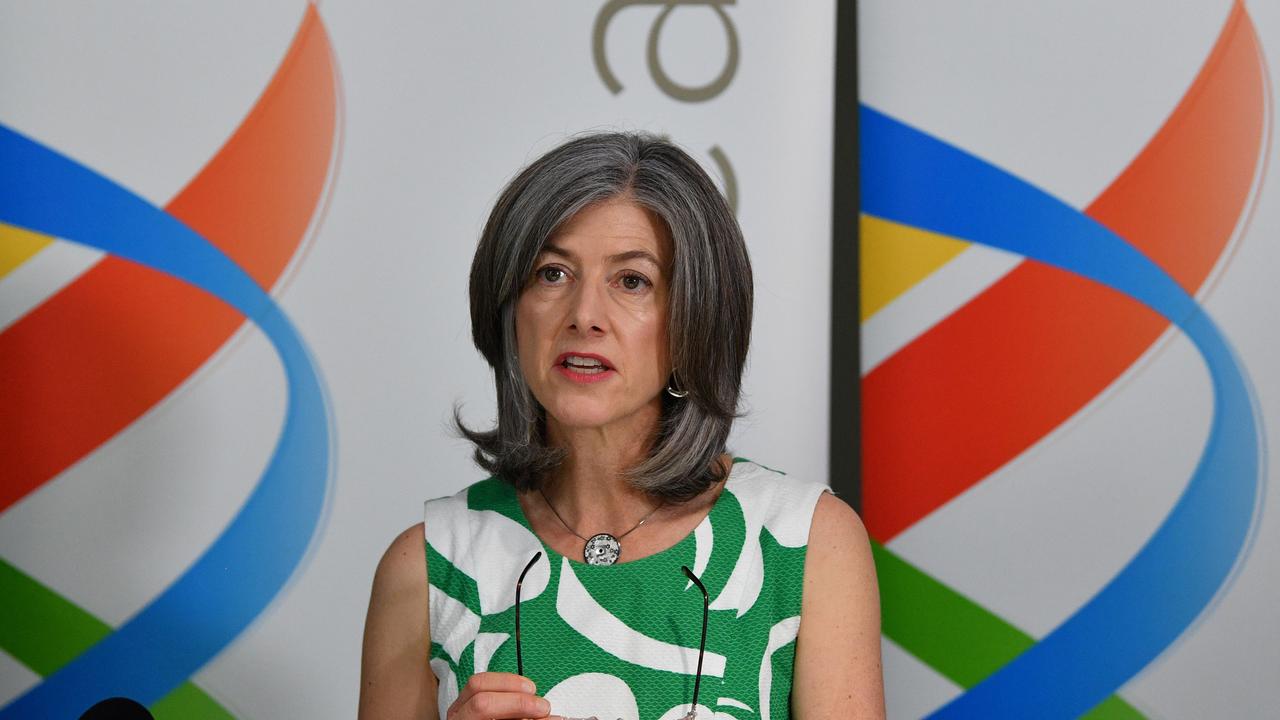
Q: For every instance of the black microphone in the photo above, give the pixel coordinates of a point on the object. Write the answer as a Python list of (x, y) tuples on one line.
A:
[(118, 708)]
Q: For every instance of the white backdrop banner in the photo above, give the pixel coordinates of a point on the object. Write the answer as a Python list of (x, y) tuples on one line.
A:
[(1069, 355), (234, 244)]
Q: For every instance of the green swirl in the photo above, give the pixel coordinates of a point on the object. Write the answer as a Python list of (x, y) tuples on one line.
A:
[(950, 633), (45, 631)]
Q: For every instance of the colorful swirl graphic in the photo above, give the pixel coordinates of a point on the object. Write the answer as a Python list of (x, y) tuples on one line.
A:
[(177, 283), (953, 405)]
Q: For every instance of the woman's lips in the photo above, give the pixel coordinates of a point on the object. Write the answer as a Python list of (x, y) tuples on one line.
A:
[(583, 367), (583, 358), (585, 376)]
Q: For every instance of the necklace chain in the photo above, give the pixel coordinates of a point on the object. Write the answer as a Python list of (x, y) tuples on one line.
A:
[(575, 532)]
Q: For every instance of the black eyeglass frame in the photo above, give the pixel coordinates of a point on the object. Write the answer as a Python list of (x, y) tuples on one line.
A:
[(702, 643)]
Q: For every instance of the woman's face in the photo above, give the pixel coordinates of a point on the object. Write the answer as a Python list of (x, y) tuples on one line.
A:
[(591, 324)]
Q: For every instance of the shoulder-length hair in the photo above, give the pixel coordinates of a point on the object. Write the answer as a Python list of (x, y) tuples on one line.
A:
[(709, 316)]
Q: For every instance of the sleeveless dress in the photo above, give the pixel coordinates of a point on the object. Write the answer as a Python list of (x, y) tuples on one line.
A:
[(621, 641)]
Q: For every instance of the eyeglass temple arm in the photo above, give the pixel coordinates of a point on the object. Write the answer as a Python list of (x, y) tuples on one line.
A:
[(519, 582), (702, 644)]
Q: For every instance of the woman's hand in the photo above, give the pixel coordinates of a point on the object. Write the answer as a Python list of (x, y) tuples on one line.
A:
[(498, 696)]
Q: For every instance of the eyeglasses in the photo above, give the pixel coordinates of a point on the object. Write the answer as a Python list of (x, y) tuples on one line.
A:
[(702, 644)]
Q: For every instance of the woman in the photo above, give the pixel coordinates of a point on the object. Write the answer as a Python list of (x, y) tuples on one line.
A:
[(619, 563)]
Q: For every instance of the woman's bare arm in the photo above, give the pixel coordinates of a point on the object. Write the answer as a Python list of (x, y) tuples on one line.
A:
[(837, 666), (395, 680)]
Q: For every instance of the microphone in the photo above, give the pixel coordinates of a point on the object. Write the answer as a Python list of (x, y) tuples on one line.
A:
[(118, 708)]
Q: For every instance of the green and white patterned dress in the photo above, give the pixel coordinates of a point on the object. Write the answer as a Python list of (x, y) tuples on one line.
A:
[(621, 641)]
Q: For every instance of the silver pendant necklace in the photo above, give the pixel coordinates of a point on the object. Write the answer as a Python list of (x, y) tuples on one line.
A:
[(601, 548)]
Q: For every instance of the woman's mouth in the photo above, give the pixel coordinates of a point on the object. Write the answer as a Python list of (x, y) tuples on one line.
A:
[(583, 368)]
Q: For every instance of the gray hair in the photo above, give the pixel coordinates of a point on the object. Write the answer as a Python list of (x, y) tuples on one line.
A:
[(709, 317)]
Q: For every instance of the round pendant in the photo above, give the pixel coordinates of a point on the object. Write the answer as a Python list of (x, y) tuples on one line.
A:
[(602, 549)]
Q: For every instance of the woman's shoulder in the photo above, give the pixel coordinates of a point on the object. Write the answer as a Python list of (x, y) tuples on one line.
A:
[(784, 504), (839, 637), (477, 543), (403, 558), (456, 511), (479, 489), (747, 473), (402, 571), (487, 494)]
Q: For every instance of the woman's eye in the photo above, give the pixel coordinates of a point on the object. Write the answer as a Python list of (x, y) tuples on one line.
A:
[(551, 274), (633, 282)]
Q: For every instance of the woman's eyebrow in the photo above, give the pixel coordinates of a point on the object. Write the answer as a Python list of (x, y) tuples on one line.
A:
[(634, 255), (554, 250), (615, 258)]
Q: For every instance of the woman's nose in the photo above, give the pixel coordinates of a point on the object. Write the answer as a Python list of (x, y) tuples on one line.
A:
[(587, 314)]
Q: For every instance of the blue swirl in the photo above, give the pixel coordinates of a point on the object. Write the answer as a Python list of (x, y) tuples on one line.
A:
[(912, 178), (229, 585)]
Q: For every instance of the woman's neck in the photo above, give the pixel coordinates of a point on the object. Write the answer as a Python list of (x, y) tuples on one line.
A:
[(589, 489)]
